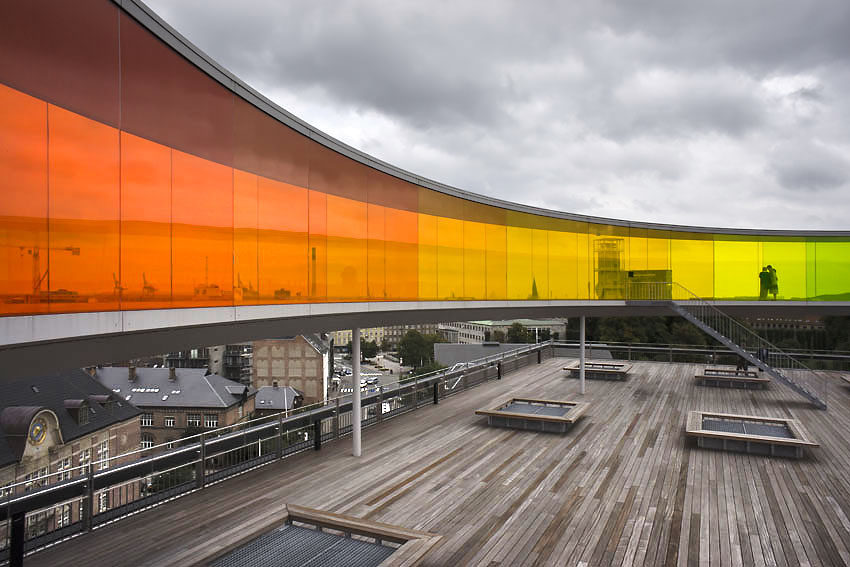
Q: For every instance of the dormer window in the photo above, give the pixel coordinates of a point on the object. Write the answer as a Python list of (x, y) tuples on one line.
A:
[(79, 410)]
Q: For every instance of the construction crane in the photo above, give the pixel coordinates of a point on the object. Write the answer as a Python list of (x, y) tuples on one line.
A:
[(35, 252)]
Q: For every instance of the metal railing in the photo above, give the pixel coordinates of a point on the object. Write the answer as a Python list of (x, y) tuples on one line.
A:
[(62, 504), (755, 349)]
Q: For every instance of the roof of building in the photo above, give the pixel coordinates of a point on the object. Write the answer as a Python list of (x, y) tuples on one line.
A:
[(190, 388), (276, 398), (62, 393), (524, 322)]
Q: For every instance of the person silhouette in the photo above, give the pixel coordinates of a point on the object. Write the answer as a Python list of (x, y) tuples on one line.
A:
[(764, 283), (773, 288)]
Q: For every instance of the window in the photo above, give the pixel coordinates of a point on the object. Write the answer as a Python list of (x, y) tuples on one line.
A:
[(83, 415), (170, 444), (170, 421), (35, 479), (193, 420), (85, 459), (36, 525), (147, 441), (147, 419), (6, 490), (63, 515), (210, 420), (102, 502), (64, 469), (103, 455)]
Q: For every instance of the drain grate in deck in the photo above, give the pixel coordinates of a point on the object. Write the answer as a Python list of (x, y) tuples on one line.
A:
[(296, 546), (779, 430), (536, 409)]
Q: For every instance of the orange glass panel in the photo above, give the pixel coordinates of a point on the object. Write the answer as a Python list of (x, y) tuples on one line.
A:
[(427, 256), (449, 258), (283, 259), (84, 212), (23, 208), (495, 237), (376, 287), (145, 281), (347, 251), (402, 254), (202, 232), (474, 260), (245, 238), (318, 243)]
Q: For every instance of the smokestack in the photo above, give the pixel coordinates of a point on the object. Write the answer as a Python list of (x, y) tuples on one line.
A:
[(172, 374), (132, 373)]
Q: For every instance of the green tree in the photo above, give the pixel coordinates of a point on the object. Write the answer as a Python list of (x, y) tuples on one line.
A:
[(499, 336), (517, 333), (413, 349), (368, 349)]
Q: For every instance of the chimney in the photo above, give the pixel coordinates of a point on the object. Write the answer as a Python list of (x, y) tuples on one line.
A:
[(274, 383), (131, 373), (172, 374), (92, 370)]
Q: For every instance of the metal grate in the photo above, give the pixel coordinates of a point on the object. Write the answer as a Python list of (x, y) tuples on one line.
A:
[(296, 546), (536, 409), (747, 427)]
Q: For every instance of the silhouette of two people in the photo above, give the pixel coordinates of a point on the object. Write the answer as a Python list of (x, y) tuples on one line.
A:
[(768, 282)]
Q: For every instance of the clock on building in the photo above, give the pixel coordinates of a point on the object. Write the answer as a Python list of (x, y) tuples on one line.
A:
[(38, 431)]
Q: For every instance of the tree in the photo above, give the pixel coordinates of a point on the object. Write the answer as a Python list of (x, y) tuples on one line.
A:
[(413, 349), (517, 333), (499, 336), (368, 349)]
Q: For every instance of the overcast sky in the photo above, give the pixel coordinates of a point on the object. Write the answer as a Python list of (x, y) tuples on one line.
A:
[(718, 113)]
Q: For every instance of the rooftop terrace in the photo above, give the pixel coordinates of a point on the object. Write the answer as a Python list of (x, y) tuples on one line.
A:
[(623, 486)]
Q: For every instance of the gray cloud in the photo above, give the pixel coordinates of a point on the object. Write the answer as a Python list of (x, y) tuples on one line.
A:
[(662, 110)]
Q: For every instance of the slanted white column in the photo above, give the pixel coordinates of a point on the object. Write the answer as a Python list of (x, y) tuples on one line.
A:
[(355, 387), (581, 354)]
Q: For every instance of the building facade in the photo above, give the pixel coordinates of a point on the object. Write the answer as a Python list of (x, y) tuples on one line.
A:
[(473, 332), (177, 402), (53, 428), (301, 362)]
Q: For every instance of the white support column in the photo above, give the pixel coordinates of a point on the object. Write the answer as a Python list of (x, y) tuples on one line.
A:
[(581, 354), (355, 388)]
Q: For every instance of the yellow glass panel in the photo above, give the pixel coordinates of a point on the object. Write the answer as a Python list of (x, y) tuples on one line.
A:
[(540, 264), (245, 238), (474, 260), (427, 257), (495, 236), (449, 258), (584, 281), (563, 262), (610, 246), (736, 263), (519, 262), (788, 259), (692, 264), (832, 278), (347, 250), (376, 257), (638, 249), (658, 251)]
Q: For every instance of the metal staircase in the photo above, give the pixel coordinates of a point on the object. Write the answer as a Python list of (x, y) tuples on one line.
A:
[(757, 351)]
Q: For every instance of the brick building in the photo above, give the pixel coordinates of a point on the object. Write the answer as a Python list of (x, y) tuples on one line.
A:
[(176, 402), (52, 428), (301, 362)]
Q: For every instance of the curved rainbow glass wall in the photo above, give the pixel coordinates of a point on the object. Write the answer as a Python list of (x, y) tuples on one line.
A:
[(132, 180)]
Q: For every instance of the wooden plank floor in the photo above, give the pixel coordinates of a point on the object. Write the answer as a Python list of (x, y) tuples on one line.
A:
[(623, 487)]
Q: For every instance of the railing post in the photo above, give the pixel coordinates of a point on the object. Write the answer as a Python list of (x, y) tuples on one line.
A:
[(88, 520), (279, 449), (539, 356), (336, 420), (16, 543), (436, 392), (380, 403), (671, 353), (317, 434), (200, 466), (499, 370), (629, 348), (416, 392)]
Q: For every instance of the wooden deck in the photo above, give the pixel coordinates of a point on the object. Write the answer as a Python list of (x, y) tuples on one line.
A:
[(622, 487)]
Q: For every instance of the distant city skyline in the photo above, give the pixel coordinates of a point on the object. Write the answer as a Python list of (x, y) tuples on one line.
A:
[(715, 114)]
